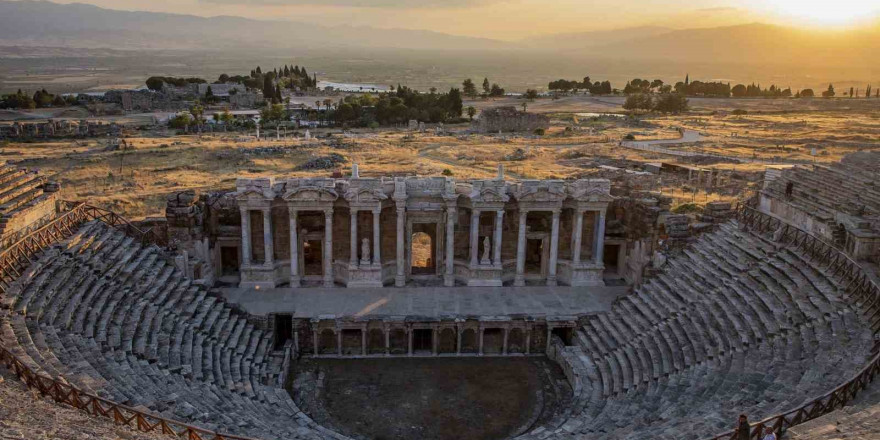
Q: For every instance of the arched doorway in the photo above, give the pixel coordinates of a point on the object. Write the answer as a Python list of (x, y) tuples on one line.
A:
[(423, 262)]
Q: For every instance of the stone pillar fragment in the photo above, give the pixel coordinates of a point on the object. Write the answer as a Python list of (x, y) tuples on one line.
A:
[(245, 237), (496, 240), (474, 237), (599, 239), (400, 279), (377, 258), (294, 250), (353, 259), (328, 247), (577, 236), (268, 243), (520, 279), (449, 276), (554, 249)]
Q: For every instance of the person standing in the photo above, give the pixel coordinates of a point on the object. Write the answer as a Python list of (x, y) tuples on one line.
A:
[(743, 431), (769, 434)]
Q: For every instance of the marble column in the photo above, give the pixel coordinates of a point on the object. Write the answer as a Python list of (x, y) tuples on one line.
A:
[(387, 341), (339, 342), (328, 247), (353, 259), (577, 236), (481, 341), (315, 340), (410, 339), (245, 237), (377, 257), (520, 279), (400, 279), (268, 248), (496, 240), (599, 238), (504, 346), (449, 278), (554, 249), (475, 236), (363, 341), (528, 340), (294, 249), (458, 340)]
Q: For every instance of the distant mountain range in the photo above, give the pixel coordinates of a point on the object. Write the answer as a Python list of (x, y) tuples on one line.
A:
[(42, 23)]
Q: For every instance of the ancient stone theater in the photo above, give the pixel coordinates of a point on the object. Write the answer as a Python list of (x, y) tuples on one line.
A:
[(259, 312)]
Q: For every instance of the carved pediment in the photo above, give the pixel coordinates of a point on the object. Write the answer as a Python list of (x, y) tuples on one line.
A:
[(364, 195), (310, 194), (593, 190), (489, 195), (254, 194), (540, 193)]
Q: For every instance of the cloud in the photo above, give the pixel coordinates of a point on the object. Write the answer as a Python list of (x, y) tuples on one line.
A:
[(406, 4)]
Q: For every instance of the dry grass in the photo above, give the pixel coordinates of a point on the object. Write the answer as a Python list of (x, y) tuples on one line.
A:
[(136, 180)]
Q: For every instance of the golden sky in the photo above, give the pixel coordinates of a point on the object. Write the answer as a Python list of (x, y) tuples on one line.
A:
[(517, 19)]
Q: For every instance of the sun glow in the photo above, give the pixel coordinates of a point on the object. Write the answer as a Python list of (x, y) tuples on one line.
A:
[(823, 12)]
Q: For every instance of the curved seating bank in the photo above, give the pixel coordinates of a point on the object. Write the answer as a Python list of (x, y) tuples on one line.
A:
[(746, 319)]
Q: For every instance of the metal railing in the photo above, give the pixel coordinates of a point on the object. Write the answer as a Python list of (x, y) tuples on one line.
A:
[(860, 288), (16, 258)]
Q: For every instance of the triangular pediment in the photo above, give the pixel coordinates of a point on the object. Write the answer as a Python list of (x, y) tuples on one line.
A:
[(310, 194)]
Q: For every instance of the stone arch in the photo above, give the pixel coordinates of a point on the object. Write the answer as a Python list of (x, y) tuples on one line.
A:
[(469, 341), (327, 341), (447, 341), (376, 341), (351, 341), (516, 341), (399, 341), (493, 340)]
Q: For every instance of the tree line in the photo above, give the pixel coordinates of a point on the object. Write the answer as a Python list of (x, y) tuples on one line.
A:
[(40, 99), (595, 88), (469, 89)]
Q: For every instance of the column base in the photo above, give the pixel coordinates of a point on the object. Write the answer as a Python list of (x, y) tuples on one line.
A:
[(449, 280), (519, 281), (551, 280), (295, 281), (400, 280), (328, 283)]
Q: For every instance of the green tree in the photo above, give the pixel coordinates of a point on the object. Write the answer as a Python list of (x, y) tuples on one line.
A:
[(638, 101), (486, 87), (807, 93), (496, 90), (671, 103), (471, 112), (469, 88), (531, 94), (851, 92)]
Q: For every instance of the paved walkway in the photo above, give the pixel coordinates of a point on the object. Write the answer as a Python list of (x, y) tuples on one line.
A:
[(425, 301)]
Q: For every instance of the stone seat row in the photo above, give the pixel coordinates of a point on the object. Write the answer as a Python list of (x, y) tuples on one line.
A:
[(106, 314), (668, 325), (735, 323), (858, 421)]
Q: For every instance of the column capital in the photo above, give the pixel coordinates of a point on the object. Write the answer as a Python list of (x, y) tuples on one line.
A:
[(377, 210), (401, 209), (499, 213), (556, 212), (328, 212)]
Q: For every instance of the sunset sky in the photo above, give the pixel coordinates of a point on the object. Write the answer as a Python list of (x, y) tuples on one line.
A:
[(517, 19)]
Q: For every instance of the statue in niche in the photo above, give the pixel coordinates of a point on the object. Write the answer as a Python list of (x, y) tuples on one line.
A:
[(487, 245), (365, 251)]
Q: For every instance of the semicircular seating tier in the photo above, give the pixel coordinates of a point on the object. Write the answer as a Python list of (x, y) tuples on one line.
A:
[(733, 324), (118, 319)]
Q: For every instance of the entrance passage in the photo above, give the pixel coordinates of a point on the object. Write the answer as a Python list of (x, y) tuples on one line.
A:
[(229, 260), (534, 255), (422, 340), (313, 258), (610, 256), (422, 254), (283, 329)]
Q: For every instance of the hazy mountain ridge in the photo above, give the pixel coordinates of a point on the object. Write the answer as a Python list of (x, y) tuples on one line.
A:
[(81, 25)]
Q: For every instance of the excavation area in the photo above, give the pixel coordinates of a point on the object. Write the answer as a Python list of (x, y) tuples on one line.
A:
[(430, 398)]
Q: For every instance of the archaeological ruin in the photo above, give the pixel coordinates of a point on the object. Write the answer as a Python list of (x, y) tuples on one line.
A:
[(212, 321), (509, 119)]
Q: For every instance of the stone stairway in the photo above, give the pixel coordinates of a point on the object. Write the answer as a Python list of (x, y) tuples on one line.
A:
[(115, 318)]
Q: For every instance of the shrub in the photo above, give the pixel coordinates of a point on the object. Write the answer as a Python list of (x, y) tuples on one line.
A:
[(446, 172), (539, 131)]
